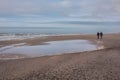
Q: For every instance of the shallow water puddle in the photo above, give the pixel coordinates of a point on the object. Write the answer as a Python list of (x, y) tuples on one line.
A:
[(52, 48)]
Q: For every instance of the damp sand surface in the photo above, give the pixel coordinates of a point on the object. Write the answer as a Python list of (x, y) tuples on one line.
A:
[(103, 64), (49, 48)]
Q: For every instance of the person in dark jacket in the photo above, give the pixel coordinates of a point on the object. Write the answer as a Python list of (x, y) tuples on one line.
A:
[(101, 35), (98, 35)]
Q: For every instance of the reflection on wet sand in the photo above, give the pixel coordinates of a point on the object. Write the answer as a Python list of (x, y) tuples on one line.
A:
[(53, 48), (100, 45)]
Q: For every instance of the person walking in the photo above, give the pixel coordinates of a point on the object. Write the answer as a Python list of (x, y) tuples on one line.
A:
[(98, 35), (101, 35)]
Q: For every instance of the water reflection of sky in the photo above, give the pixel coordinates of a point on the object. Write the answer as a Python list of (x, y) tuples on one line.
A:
[(53, 48)]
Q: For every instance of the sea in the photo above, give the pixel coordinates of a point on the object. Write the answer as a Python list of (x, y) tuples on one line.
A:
[(61, 28)]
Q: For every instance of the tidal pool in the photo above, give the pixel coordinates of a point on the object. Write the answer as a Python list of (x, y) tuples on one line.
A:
[(51, 48)]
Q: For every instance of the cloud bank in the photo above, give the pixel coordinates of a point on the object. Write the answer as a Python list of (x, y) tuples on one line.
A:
[(60, 7), (30, 10)]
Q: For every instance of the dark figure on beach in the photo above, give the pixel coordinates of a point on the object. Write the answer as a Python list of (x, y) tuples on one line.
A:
[(98, 34), (101, 35)]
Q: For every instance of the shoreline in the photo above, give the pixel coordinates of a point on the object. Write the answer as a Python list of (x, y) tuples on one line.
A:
[(48, 39), (10, 37), (101, 44), (40, 40), (44, 39)]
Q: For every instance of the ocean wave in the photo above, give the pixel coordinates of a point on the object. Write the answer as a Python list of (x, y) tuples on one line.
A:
[(5, 37)]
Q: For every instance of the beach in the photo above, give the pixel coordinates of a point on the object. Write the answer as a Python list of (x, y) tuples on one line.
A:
[(100, 64)]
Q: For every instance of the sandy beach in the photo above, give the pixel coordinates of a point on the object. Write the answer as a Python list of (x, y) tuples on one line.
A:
[(101, 64)]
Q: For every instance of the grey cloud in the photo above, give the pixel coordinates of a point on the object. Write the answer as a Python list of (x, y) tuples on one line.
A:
[(107, 8), (67, 8), (24, 6)]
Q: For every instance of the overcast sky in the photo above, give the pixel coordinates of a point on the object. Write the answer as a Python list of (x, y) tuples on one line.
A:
[(20, 12)]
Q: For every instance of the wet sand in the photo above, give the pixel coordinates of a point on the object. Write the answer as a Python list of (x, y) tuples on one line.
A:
[(51, 48), (102, 64)]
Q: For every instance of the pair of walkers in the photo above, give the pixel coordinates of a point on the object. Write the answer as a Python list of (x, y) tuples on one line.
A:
[(99, 35)]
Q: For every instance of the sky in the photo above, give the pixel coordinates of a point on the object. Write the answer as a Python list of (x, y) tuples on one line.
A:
[(27, 12)]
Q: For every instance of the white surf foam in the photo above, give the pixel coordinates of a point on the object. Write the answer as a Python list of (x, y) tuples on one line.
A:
[(6, 37)]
